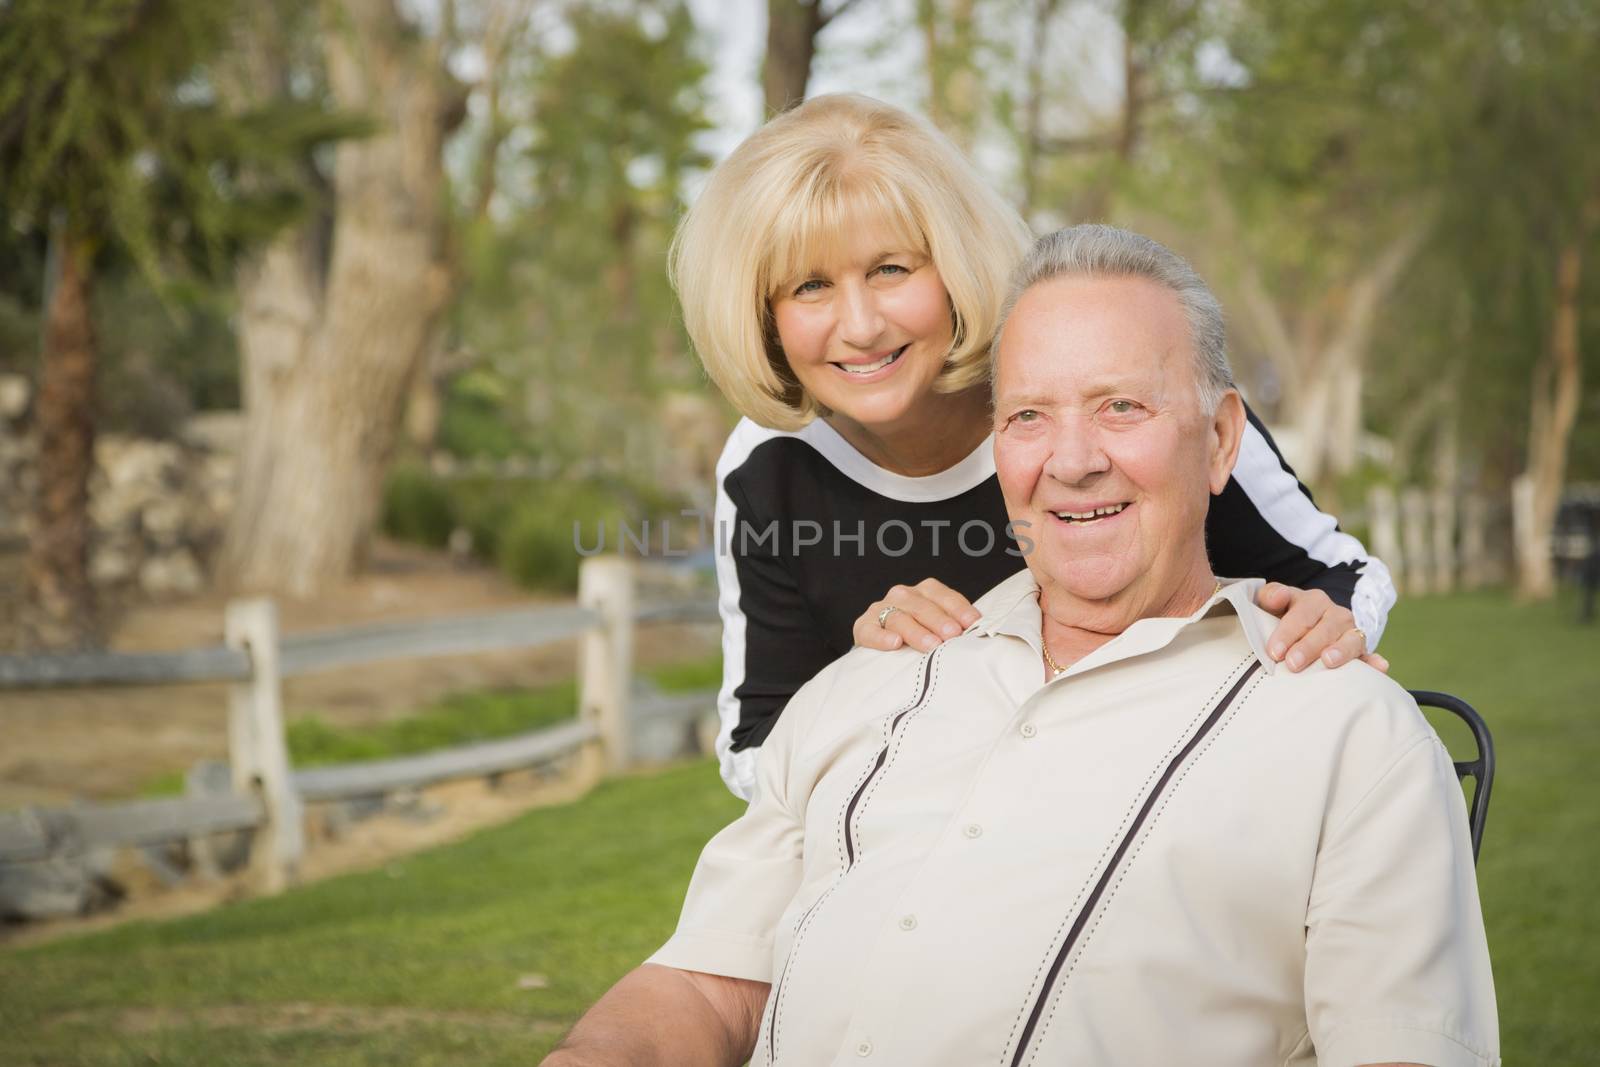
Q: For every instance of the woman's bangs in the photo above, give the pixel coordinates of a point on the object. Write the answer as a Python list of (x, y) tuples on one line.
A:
[(816, 228)]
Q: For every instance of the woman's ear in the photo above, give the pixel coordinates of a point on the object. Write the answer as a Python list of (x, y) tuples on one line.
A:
[(1227, 430)]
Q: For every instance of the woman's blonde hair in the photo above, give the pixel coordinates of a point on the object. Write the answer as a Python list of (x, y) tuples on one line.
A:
[(790, 195)]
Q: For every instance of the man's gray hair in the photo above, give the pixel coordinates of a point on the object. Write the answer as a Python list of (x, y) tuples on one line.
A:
[(1108, 252)]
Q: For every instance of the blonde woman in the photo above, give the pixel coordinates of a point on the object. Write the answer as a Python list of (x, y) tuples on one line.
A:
[(840, 277)]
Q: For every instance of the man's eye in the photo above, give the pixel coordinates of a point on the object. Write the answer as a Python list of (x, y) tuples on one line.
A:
[(1122, 407), (1025, 415)]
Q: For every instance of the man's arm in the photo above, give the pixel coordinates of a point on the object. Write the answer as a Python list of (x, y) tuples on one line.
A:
[(662, 1015)]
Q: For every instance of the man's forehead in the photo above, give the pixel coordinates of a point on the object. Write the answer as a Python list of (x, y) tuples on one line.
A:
[(1090, 334)]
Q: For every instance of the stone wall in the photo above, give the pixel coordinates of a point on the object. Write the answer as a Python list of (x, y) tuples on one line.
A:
[(158, 506)]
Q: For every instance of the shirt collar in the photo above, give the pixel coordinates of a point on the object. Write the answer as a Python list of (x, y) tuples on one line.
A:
[(1012, 608)]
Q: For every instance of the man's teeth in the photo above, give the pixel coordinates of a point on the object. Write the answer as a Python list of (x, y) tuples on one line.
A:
[(868, 368), (1089, 516)]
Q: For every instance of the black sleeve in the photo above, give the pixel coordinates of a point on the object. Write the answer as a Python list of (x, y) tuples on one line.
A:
[(771, 643), (1265, 524)]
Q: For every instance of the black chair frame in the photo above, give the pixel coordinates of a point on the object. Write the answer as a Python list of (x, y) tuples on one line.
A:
[(1481, 769)]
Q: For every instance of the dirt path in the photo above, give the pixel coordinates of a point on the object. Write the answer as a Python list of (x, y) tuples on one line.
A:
[(99, 744)]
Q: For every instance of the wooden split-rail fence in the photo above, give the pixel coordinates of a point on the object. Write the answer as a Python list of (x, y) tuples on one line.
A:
[(268, 796)]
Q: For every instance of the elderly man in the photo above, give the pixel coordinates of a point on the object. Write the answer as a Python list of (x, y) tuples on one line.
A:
[(1098, 827)]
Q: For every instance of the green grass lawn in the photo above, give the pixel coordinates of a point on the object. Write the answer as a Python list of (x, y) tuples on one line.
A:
[(426, 961)]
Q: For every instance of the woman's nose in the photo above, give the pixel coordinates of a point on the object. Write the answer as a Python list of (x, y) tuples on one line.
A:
[(860, 319)]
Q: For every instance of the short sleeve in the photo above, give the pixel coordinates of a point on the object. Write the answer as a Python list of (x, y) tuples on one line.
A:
[(749, 873), (1397, 965)]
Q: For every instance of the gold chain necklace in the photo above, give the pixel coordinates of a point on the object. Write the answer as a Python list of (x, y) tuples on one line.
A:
[(1057, 670)]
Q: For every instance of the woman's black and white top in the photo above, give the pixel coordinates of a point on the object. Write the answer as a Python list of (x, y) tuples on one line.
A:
[(809, 532)]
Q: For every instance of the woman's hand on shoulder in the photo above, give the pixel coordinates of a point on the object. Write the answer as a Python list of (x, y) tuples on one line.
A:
[(1312, 626), (923, 616)]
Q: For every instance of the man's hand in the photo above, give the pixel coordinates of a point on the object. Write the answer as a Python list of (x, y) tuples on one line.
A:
[(1312, 625), (663, 1016)]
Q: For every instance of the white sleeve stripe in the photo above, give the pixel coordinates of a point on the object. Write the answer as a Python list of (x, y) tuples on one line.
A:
[(1276, 495), (738, 768)]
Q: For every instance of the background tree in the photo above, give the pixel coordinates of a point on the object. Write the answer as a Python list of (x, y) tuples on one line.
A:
[(792, 30), (569, 303), (336, 315), (111, 141)]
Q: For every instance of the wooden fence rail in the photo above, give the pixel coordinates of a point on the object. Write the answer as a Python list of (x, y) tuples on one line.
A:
[(268, 796)]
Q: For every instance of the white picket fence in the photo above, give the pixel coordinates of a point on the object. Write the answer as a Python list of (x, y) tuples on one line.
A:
[(1436, 540), (268, 796)]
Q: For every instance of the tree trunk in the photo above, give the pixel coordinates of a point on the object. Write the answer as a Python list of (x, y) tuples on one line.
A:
[(1033, 115), (329, 355), (1557, 388), (792, 28), (1323, 362), (59, 592), (949, 41)]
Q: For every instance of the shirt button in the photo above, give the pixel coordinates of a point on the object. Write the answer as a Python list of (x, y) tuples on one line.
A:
[(1028, 729), (972, 829), (864, 1049), (908, 922)]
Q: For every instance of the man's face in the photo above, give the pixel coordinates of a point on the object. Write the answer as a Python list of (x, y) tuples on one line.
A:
[(1101, 444)]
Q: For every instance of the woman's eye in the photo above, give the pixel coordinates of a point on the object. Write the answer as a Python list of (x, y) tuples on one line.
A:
[(810, 286), (892, 268)]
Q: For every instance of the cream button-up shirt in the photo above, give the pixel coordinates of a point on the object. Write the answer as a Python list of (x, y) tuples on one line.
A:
[(1169, 854)]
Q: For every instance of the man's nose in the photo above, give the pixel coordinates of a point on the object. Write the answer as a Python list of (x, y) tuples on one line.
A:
[(1076, 455), (860, 320)]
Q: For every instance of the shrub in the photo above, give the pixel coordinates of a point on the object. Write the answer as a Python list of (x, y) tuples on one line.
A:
[(417, 507), (536, 547)]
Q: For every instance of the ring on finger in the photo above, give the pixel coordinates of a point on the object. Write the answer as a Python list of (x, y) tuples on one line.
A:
[(1358, 630), (883, 616)]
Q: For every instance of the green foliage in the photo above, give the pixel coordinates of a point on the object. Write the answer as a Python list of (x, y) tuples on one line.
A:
[(417, 507), (479, 420), (567, 297), (110, 124), (165, 352), (398, 976), (524, 525), (538, 549)]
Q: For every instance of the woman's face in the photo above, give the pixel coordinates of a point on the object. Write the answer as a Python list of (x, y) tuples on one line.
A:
[(867, 335)]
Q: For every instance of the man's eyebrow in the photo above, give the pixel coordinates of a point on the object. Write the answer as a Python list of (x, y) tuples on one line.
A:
[(1023, 400)]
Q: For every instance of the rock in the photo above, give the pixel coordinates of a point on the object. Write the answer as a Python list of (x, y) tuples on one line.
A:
[(461, 546), (15, 392), (163, 519), (111, 563), (49, 889), (215, 431), (174, 574)]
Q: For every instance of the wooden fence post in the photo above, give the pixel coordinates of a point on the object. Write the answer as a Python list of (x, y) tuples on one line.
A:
[(1383, 511), (605, 585), (256, 745), (1474, 541), (1414, 533), (1444, 540)]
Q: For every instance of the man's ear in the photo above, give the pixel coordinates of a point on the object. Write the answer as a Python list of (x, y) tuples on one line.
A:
[(1227, 430)]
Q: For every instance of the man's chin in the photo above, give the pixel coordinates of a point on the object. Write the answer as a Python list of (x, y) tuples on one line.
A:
[(1091, 588)]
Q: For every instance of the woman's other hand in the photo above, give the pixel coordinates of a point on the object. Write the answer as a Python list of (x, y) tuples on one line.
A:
[(924, 615), (1312, 626)]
